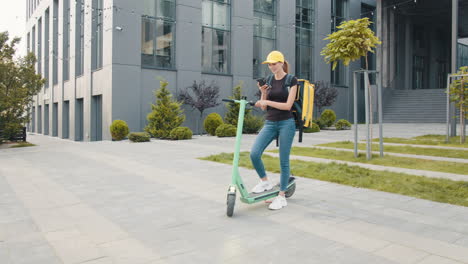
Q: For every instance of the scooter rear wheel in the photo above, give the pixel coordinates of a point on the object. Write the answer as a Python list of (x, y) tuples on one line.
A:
[(290, 191), (231, 201)]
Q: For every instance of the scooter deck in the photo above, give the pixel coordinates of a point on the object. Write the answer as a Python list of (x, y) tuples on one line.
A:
[(255, 197), (275, 190)]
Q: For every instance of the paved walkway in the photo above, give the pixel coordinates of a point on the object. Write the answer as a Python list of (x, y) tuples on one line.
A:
[(121, 202)]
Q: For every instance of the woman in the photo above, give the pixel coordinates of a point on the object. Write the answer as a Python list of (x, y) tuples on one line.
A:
[(277, 101)]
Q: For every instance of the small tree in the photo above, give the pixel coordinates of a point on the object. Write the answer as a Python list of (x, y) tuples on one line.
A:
[(353, 40), (18, 84), (459, 95), (166, 113), (324, 96), (201, 97), (232, 115)]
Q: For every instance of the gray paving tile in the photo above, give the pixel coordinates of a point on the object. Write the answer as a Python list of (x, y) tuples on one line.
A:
[(165, 205)]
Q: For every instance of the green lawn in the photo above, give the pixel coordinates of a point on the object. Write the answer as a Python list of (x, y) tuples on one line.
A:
[(435, 140), (439, 190), (22, 145), (401, 162), (448, 153)]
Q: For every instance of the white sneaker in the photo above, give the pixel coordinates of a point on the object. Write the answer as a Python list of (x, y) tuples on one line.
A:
[(262, 186), (278, 203)]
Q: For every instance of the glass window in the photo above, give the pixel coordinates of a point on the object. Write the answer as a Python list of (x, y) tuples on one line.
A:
[(221, 16), (337, 76), (265, 6), (216, 36), (55, 43), (264, 34), (207, 10), (66, 40), (33, 41), (39, 46), (97, 34), (165, 9), (304, 38), (46, 48), (159, 8), (418, 72), (79, 56), (28, 43), (462, 51), (164, 43), (82, 29), (157, 34), (339, 14), (462, 45)]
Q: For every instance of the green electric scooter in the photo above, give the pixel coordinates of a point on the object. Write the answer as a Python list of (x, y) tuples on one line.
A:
[(236, 182)]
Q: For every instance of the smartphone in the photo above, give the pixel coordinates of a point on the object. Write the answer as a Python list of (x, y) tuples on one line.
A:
[(261, 81)]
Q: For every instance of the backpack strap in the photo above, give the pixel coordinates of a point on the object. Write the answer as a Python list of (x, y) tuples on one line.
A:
[(269, 79), (287, 83)]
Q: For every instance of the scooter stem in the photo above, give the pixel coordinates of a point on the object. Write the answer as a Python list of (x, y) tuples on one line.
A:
[(240, 124)]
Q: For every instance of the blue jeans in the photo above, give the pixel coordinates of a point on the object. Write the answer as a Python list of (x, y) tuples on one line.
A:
[(285, 130)]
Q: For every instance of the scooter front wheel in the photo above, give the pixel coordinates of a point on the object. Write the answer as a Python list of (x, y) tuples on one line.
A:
[(231, 201)]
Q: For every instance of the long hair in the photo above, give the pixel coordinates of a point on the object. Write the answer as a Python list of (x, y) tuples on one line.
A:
[(286, 66)]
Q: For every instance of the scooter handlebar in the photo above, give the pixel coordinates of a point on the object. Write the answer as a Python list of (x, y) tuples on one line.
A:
[(234, 101)]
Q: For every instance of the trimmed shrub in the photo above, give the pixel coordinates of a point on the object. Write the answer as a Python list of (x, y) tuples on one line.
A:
[(232, 114), (312, 129), (180, 133), (165, 114), (119, 129), (252, 124), (328, 117), (212, 122), (342, 124), (139, 137), (226, 130), (320, 123)]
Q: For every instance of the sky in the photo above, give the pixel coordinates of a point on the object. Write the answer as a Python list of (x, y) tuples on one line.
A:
[(13, 20)]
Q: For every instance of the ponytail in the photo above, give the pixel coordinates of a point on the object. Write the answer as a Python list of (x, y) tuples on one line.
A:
[(286, 66)]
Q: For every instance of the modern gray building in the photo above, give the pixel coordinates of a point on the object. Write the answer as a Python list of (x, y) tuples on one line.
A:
[(102, 58), (422, 42)]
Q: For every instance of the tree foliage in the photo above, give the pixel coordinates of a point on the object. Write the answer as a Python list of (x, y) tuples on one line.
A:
[(459, 95), (353, 40), (324, 95), (166, 113), (200, 96), (18, 84), (232, 115)]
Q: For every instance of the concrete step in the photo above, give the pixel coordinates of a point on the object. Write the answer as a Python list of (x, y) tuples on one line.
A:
[(416, 106), (425, 91), (420, 100)]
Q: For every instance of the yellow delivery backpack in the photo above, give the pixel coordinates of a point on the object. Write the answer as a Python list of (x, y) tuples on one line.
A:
[(303, 107)]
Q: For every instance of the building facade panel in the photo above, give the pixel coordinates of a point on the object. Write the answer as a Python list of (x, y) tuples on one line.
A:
[(141, 44)]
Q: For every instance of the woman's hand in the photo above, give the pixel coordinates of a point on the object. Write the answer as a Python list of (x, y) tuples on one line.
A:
[(263, 88), (261, 103)]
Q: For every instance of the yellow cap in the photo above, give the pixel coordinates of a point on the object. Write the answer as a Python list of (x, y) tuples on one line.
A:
[(274, 57)]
